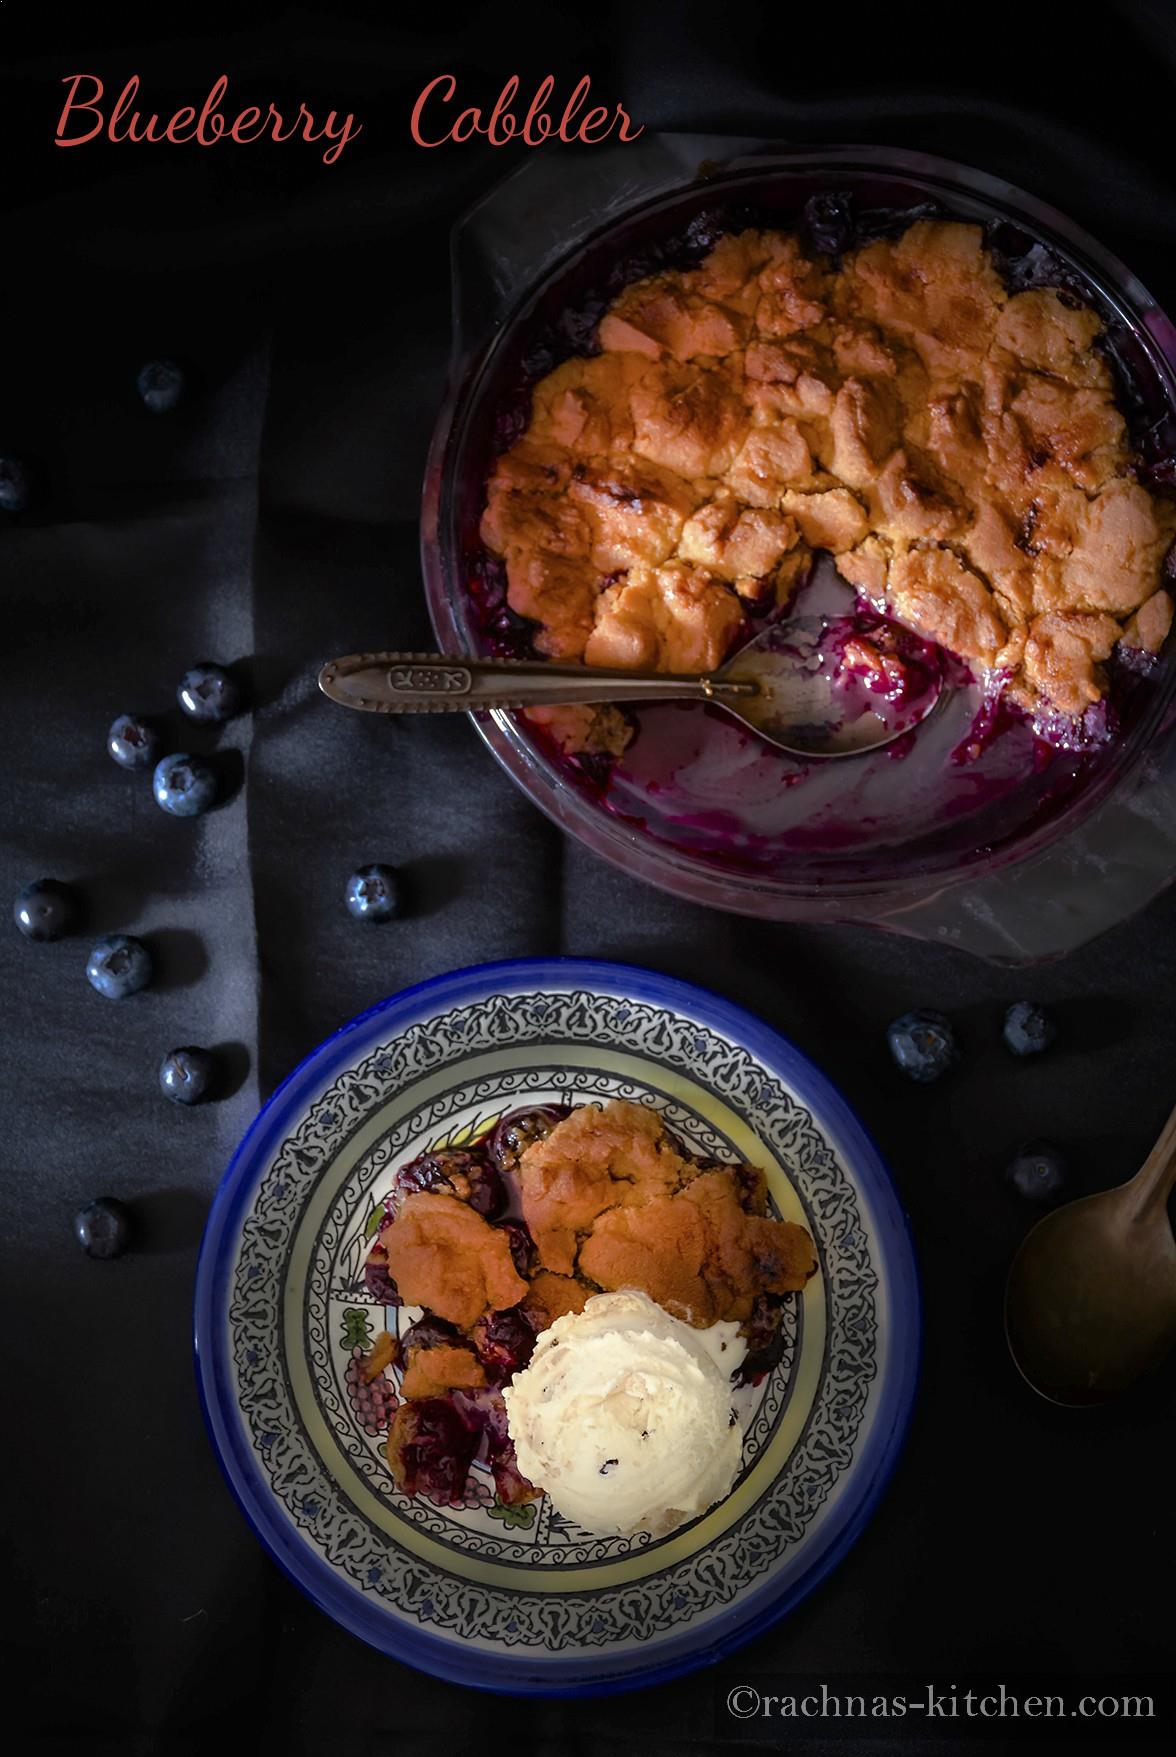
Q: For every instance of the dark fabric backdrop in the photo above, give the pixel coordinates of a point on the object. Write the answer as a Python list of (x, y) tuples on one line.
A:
[(272, 520)]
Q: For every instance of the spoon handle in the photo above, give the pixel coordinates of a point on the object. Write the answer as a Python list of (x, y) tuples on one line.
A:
[(1154, 1180), (431, 683)]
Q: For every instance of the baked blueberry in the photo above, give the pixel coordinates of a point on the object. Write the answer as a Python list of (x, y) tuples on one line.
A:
[(119, 965), (504, 1342), (131, 742), (184, 785), (377, 1279), (487, 1411), (187, 1075), (764, 1335), (1038, 1172), (463, 1172), (430, 1332), (14, 485), (161, 385), (520, 1129), (103, 1228), (45, 910), (375, 893), (1028, 1029), (430, 1448), (522, 1246), (827, 224), (923, 1045), (207, 693)]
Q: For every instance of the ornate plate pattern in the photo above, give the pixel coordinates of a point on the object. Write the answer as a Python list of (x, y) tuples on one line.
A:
[(516, 1598)]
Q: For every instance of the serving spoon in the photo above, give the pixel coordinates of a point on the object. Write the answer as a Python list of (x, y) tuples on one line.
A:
[(780, 686), (1091, 1296)]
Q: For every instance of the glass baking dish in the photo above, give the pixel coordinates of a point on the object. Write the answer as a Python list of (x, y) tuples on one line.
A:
[(1032, 870)]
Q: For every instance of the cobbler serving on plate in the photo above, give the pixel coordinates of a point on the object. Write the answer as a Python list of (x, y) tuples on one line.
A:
[(955, 445), (500, 1238)]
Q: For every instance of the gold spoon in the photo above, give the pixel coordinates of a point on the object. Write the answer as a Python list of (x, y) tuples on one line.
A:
[(1091, 1296), (779, 685)]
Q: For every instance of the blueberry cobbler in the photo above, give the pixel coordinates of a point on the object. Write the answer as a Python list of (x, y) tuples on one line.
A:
[(498, 1240), (954, 443)]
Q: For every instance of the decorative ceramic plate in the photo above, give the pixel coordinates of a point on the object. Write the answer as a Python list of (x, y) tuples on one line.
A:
[(513, 1597)]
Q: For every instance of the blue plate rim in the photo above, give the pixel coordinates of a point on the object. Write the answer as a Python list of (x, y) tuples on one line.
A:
[(750, 1614)]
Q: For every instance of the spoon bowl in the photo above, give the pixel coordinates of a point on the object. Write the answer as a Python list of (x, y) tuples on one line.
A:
[(1090, 1304), (827, 687)]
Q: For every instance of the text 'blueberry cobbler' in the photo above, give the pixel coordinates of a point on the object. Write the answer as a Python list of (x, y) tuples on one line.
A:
[(498, 1239), (954, 444)]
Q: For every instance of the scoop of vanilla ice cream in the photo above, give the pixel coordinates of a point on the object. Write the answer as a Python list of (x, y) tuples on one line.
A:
[(623, 1416)]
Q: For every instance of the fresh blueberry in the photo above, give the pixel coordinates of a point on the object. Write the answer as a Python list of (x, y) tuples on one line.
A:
[(208, 693), (375, 893), (131, 742), (45, 910), (118, 966), (1038, 1172), (1028, 1029), (922, 1044), (103, 1228), (184, 785), (14, 485), (187, 1075), (161, 385)]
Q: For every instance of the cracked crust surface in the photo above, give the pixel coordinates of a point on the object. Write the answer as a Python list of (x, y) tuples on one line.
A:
[(443, 1256), (608, 1195), (956, 448), (595, 1159)]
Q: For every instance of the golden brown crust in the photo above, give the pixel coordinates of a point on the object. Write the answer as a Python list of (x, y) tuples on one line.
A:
[(608, 1194), (385, 1350), (554, 1296), (443, 1256), (597, 1157), (602, 730), (1148, 629), (957, 448), (698, 1253), (447, 1366)]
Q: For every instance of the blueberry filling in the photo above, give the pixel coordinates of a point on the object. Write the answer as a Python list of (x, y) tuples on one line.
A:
[(504, 1343), (375, 893), (207, 693), (465, 1172), (377, 1280)]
